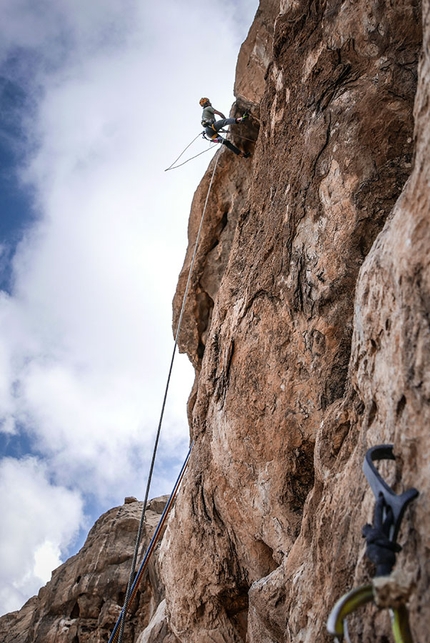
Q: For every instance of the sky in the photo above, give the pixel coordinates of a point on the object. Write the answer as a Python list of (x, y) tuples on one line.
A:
[(97, 99)]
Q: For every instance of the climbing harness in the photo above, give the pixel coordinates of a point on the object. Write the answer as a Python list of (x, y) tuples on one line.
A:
[(215, 136), (118, 631), (381, 549)]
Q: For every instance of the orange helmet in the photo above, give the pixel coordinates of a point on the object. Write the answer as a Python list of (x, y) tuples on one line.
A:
[(204, 101)]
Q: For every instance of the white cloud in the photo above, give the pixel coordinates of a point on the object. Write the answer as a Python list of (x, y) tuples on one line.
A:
[(39, 522), (85, 337), (46, 558)]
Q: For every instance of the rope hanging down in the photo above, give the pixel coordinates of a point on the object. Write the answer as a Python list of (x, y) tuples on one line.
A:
[(118, 634), (151, 547)]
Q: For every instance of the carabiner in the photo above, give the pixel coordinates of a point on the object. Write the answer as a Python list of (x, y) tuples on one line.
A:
[(348, 603), (337, 625), (396, 503)]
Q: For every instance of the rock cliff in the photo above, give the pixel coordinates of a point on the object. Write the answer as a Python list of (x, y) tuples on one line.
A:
[(81, 602), (308, 324)]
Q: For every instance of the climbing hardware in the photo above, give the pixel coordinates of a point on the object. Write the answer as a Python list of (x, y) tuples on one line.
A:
[(388, 589)]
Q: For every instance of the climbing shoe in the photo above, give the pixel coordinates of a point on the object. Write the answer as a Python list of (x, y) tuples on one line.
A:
[(246, 155)]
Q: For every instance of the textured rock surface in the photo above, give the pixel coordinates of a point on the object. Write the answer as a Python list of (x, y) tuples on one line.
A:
[(83, 599), (292, 387), (307, 322)]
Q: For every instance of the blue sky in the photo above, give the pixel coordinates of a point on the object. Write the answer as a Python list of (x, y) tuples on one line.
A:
[(97, 99), (15, 199)]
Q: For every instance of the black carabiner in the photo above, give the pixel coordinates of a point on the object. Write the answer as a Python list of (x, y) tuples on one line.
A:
[(397, 504)]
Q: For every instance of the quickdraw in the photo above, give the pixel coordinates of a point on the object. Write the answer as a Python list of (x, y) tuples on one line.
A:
[(337, 625), (381, 549)]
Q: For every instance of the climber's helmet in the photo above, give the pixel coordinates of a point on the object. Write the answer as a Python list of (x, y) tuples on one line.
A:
[(204, 102)]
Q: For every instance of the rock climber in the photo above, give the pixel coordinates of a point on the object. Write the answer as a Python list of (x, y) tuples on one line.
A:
[(212, 126)]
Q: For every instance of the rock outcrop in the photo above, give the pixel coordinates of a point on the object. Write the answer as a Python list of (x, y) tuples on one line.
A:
[(307, 322), (83, 599)]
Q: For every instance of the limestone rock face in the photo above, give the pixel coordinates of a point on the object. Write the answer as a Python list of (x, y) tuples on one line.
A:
[(83, 599), (255, 55), (316, 345)]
